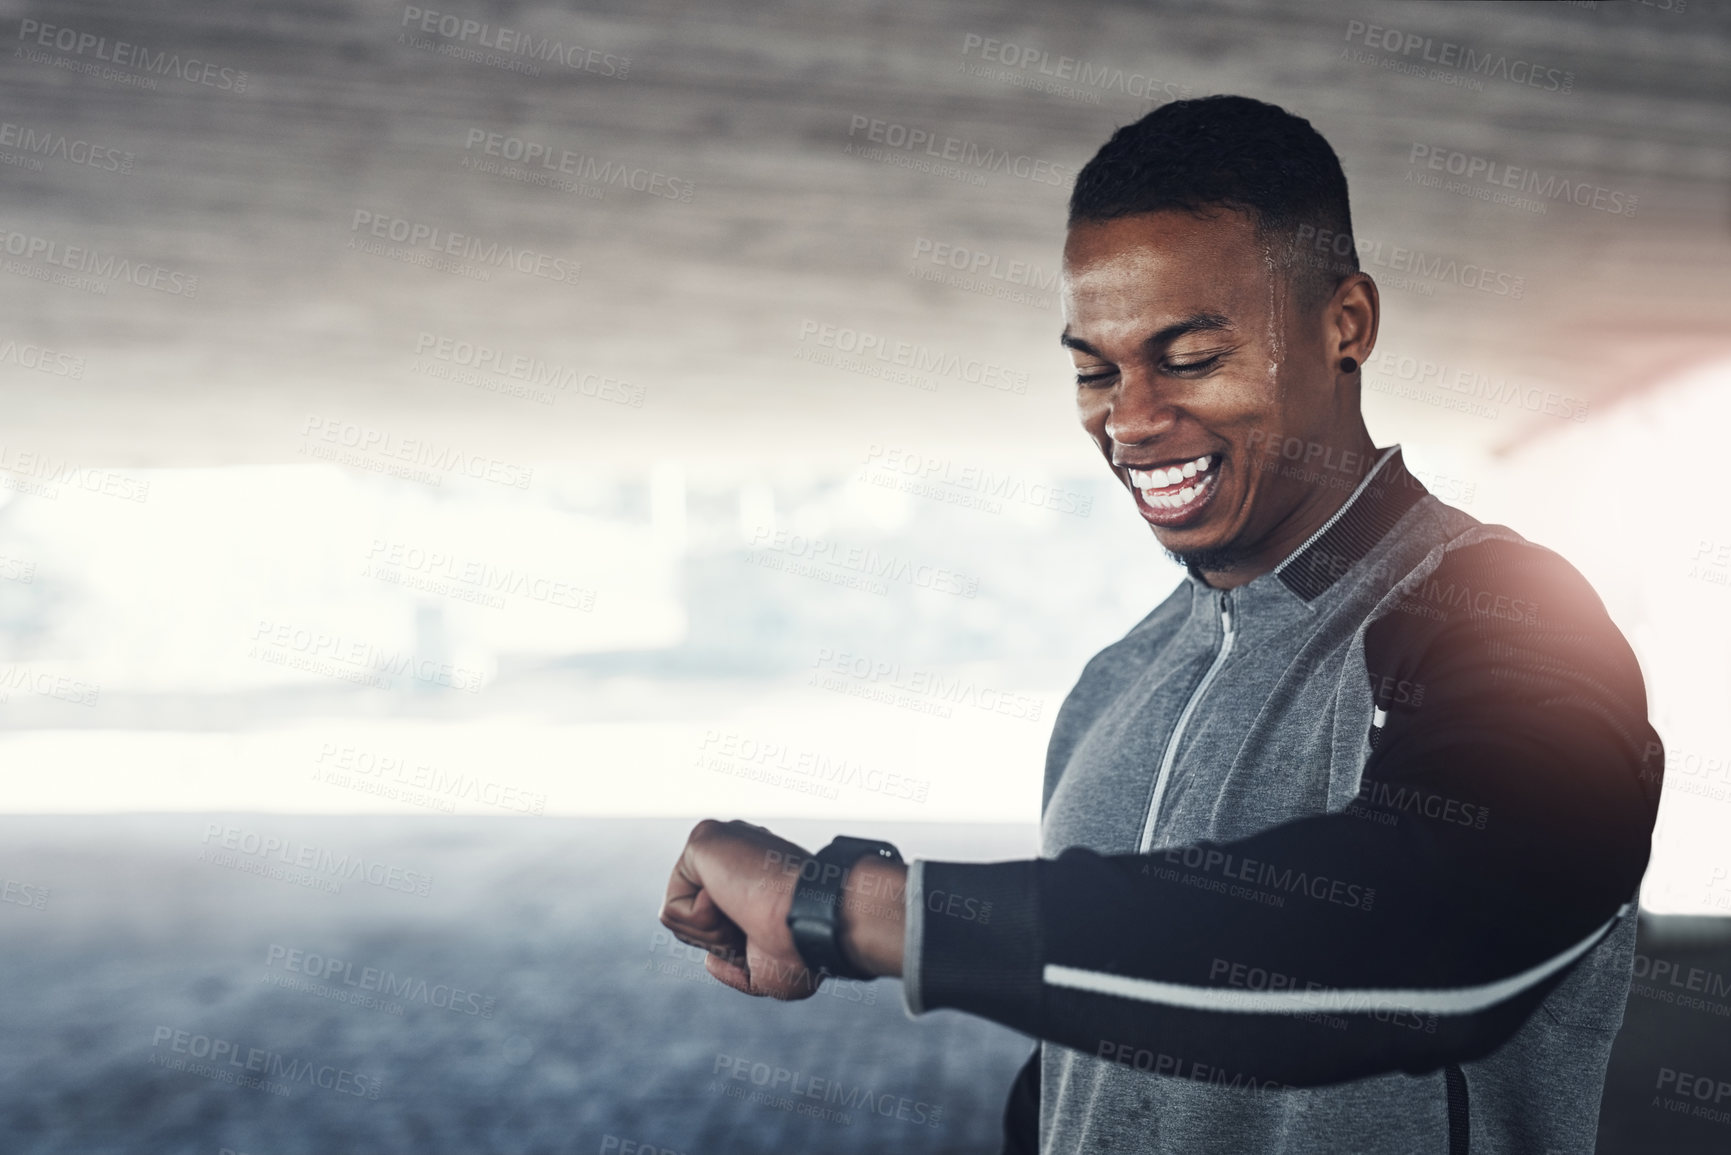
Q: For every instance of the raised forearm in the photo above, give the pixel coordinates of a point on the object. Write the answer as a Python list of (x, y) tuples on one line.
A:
[(873, 918)]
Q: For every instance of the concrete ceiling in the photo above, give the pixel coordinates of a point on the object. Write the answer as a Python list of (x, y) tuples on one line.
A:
[(698, 306)]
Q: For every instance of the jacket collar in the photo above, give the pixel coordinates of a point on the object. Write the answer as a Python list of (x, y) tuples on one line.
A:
[(1381, 499)]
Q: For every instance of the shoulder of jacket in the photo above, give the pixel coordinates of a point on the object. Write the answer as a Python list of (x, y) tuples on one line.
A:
[(1490, 574)]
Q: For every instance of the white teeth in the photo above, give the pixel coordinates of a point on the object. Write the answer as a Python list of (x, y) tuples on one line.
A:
[(1165, 499), (1151, 481)]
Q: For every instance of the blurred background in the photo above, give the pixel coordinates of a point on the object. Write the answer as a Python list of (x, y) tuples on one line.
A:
[(470, 442)]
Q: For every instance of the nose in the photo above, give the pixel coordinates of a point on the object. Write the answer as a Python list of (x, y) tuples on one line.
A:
[(1138, 411)]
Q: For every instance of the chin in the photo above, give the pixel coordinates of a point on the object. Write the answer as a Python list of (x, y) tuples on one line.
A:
[(1216, 558)]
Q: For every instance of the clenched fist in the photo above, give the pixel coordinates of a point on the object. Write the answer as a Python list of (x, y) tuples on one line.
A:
[(730, 892)]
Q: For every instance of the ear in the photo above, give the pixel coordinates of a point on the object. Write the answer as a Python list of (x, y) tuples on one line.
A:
[(1351, 318)]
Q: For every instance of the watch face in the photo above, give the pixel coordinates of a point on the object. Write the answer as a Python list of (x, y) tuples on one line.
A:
[(860, 847)]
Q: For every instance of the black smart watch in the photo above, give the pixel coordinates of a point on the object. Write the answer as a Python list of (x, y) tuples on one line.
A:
[(817, 903)]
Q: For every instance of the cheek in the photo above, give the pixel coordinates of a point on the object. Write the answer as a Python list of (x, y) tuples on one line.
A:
[(1254, 388), (1243, 402)]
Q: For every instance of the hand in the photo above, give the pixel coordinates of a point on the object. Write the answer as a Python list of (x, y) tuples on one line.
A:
[(729, 894)]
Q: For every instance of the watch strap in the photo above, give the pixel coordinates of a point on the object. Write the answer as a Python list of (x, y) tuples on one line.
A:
[(815, 914)]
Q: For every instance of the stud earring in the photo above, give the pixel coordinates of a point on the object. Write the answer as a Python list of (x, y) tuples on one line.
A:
[(1348, 365)]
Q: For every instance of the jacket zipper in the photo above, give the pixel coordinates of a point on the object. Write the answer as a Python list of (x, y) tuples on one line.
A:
[(1171, 754)]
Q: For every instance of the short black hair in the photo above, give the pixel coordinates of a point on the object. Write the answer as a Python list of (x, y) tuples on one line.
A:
[(1236, 153)]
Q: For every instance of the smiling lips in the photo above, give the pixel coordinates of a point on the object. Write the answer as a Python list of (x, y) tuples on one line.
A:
[(1175, 487)]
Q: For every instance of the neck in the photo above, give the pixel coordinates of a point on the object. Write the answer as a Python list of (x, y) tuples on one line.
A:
[(1313, 511)]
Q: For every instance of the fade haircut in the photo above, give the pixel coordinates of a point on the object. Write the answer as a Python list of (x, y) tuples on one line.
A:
[(1199, 156)]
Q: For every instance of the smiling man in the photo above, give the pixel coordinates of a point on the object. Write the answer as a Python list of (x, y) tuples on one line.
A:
[(1341, 843)]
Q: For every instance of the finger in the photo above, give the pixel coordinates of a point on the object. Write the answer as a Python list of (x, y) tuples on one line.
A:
[(683, 885), (696, 911), (780, 978), (689, 909), (723, 938), (730, 974), (732, 860)]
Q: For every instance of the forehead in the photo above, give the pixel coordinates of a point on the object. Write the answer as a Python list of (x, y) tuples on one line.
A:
[(1138, 269)]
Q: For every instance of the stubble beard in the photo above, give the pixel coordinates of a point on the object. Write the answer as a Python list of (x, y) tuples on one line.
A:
[(1211, 559)]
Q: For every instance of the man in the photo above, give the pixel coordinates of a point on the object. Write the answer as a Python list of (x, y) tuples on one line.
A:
[(1340, 844)]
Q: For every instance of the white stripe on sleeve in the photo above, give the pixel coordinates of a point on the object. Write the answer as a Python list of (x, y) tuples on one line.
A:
[(1451, 1001)]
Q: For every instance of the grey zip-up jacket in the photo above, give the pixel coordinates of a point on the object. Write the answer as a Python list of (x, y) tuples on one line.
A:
[(1342, 860)]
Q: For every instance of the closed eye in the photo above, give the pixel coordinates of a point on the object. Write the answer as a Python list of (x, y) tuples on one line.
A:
[(1198, 368), (1190, 368)]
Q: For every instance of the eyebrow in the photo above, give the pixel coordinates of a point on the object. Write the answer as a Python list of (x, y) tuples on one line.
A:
[(1195, 323)]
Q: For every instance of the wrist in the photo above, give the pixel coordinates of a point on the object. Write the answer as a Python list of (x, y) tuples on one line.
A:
[(871, 922)]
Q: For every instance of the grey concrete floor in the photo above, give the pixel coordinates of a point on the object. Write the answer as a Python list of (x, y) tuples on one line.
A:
[(578, 1028), (534, 1005)]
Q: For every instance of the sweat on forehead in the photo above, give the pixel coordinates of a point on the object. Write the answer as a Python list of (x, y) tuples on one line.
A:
[(1167, 275)]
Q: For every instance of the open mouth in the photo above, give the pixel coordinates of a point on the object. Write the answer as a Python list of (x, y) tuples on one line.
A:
[(1172, 495)]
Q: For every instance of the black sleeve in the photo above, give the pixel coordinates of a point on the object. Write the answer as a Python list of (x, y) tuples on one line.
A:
[(1022, 1110), (1501, 829)]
